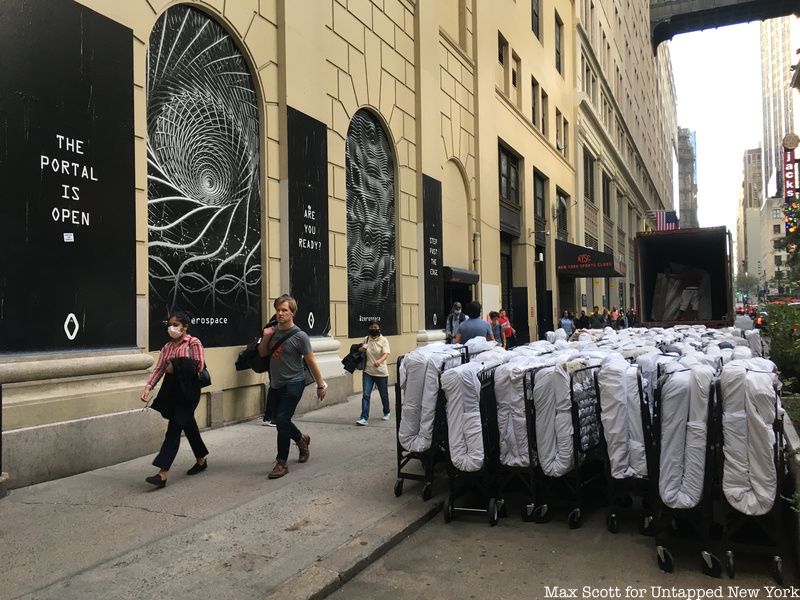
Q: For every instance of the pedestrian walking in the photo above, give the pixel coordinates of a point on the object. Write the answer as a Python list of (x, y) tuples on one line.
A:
[(454, 319), (376, 373), (596, 320), (180, 362), (474, 326), (497, 328), (288, 347), (613, 317), (582, 322)]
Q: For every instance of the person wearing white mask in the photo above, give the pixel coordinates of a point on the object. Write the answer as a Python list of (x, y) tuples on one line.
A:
[(180, 362), (454, 319)]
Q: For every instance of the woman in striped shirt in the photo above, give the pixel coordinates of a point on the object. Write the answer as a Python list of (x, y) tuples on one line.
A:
[(180, 362)]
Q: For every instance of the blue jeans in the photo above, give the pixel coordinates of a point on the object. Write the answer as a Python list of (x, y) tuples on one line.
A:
[(382, 383), (285, 401)]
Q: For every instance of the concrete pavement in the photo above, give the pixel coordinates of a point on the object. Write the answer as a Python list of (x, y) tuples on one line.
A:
[(226, 533)]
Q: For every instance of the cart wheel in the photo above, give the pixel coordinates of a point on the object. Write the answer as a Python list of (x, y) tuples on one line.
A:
[(648, 525), (730, 568), (427, 492), (665, 562), (711, 564), (398, 488), (574, 518), (448, 510), (527, 512), (493, 512), (777, 569), (541, 514), (611, 523)]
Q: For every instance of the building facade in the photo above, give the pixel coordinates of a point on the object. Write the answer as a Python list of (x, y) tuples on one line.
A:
[(378, 160), (687, 177), (748, 230)]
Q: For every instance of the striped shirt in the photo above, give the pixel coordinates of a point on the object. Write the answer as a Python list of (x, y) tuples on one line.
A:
[(188, 347)]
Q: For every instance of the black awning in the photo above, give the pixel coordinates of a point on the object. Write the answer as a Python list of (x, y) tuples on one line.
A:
[(579, 261), (456, 275)]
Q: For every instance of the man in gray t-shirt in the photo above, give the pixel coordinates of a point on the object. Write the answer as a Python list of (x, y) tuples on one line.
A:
[(286, 362), (287, 379), (474, 326)]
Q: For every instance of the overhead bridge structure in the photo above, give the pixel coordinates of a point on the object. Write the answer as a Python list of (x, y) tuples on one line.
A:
[(671, 17)]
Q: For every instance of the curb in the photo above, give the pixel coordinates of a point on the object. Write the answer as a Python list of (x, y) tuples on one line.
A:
[(337, 568)]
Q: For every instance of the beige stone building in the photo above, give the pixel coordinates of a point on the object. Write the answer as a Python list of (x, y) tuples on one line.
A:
[(401, 155), (625, 139)]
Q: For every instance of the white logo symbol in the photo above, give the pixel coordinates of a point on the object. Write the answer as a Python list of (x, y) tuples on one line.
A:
[(71, 323), (311, 320), (435, 318)]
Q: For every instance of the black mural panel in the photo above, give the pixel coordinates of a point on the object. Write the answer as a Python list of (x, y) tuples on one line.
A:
[(309, 269), (432, 249), (371, 286), (203, 181), (67, 231)]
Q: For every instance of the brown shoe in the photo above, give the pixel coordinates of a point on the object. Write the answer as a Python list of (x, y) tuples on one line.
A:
[(302, 445), (279, 470)]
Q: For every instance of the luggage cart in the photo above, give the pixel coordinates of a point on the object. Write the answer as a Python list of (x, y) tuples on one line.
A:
[(527, 478), (756, 534), (696, 523), (620, 492), (438, 448), (587, 466), (484, 480)]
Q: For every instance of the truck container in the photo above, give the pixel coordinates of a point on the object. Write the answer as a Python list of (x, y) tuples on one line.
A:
[(661, 256)]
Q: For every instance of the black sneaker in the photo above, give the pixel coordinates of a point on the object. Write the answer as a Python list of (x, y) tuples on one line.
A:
[(156, 480), (197, 468)]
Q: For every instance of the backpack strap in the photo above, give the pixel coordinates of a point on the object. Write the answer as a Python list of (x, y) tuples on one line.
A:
[(282, 340)]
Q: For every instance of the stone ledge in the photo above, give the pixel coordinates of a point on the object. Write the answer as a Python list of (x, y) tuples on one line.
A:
[(57, 368)]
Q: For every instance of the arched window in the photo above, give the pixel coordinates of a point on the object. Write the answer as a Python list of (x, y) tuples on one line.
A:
[(204, 197), (371, 287)]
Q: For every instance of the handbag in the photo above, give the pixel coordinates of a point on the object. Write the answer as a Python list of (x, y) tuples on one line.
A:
[(250, 359), (204, 377)]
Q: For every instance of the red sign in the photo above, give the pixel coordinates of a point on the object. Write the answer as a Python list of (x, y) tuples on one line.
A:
[(789, 179), (584, 258)]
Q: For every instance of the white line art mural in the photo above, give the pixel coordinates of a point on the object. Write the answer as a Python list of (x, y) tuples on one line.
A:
[(203, 180), (371, 289)]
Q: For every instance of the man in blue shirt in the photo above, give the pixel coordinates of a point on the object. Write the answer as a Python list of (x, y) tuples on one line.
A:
[(474, 326)]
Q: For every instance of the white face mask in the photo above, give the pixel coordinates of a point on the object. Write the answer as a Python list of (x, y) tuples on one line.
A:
[(174, 331)]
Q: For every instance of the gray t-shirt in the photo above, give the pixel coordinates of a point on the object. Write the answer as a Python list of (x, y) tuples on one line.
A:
[(472, 328), (286, 363)]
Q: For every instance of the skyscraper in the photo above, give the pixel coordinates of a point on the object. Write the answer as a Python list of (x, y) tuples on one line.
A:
[(687, 177)]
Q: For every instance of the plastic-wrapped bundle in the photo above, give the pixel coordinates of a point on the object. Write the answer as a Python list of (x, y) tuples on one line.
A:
[(419, 380), (753, 337), (685, 394), (749, 405), (622, 418), (464, 432)]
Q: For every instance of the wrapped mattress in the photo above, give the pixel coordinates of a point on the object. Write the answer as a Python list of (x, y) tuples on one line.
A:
[(753, 337), (621, 414), (419, 380), (553, 406), (685, 395), (749, 405), (462, 389)]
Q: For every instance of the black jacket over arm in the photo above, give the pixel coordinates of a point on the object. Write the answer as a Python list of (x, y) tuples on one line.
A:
[(180, 393)]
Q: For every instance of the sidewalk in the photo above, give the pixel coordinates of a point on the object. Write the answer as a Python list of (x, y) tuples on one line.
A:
[(226, 533)]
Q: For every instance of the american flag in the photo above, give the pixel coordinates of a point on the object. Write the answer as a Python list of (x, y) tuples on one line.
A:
[(665, 219)]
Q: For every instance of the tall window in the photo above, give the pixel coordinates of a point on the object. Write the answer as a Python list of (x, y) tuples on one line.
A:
[(776, 229), (535, 9), (606, 195), (565, 151), (539, 183), (535, 118), (559, 131), (545, 115), (508, 165), (588, 175), (558, 42), (561, 214)]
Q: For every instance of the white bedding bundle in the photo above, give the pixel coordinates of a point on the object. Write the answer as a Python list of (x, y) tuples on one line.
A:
[(419, 380), (685, 394), (621, 415), (749, 480)]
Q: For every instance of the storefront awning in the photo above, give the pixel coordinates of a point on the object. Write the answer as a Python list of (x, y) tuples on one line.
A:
[(456, 275), (579, 261)]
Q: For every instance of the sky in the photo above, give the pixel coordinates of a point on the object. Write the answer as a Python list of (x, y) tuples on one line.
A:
[(718, 85)]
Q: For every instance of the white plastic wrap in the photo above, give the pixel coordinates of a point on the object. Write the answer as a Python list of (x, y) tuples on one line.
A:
[(464, 432), (685, 394), (749, 480)]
